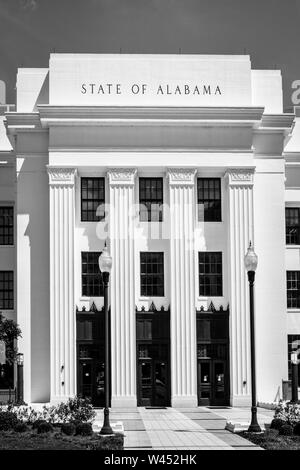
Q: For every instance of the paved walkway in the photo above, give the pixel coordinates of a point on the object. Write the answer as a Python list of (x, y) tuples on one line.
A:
[(184, 429)]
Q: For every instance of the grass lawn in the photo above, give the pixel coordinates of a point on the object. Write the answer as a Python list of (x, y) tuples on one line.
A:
[(30, 440), (270, 440)]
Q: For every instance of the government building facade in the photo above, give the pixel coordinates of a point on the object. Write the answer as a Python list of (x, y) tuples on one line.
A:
[(178, 162)]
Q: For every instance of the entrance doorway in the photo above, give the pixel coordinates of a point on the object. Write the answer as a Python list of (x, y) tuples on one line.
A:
[(153, 358), (90, 356), (213, 358)]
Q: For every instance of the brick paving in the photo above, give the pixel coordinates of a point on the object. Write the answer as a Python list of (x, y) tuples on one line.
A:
[(183, 429)]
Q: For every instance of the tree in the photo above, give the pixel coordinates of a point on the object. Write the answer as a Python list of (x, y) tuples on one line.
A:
[(9, 332)]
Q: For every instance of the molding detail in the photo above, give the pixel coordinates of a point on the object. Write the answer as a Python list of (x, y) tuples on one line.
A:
[(121, 176), (65, 176), (181, 176), (240, 176)]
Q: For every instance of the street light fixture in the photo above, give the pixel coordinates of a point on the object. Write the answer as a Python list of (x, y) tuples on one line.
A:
[(294, 362), (251, 262), (105, 265), (20, 379)]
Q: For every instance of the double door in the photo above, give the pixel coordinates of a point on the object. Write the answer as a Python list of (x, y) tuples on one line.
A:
[(153, 382), (213, 382), (91, 380)]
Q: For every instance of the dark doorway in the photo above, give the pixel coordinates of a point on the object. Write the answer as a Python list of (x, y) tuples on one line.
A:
[(153, 358), (90, 355), (213, 358)]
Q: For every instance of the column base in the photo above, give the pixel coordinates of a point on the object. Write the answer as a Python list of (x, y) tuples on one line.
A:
[(59, 399), (240, 401), (123, 402), (190, 401)]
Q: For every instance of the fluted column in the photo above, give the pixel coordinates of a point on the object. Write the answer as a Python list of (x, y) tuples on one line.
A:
[(62, 309), (123, 337), (240, 210), (183, 314)]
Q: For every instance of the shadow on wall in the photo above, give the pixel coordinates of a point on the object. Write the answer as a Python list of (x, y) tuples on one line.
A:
[(33, 191)]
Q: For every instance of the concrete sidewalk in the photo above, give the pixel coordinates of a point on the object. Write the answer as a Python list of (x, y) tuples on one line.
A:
[(184, 429)]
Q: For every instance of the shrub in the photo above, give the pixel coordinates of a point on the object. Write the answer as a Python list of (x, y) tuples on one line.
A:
[(8, 420), (36, 423), (288, 412), (84, 429), (277, 423), (286, 430), (297, 429), (68, 428), (44, 428), (21, 427), (115, 442)]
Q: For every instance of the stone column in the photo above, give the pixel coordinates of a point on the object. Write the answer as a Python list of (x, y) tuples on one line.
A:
[(123, 337), (240, 226), (183, 312), (62, 308)]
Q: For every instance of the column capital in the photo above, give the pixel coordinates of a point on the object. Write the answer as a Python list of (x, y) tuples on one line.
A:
[(181, 176), (121, 176), (61, 176), (240, 176)]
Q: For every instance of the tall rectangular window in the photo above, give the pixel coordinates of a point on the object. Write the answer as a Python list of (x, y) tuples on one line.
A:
[(92, 196), (292, 223), (293, 345), (6, 225), (293, 289), (151, 199), (6, 290), (210, 274), (209, 199), (152, 274), (90, 274)]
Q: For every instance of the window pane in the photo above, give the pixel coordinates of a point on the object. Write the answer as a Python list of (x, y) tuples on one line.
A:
[(92, 196), (293, 289), (91, 278), (292, 219), (6, 290), (6, 225), (151, 199), (210, 274), (209, 199), (152, 274)]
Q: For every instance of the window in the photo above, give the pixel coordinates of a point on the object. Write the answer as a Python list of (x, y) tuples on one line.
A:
[(209, 199), (152, 274), (293, 289), (293, 345), (6, 226), (6, 290), (91, 277), (151, 199), (210, 274), (92, 196), (292, 222)]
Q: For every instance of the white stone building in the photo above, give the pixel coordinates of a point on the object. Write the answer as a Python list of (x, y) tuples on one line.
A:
[(193, 158)]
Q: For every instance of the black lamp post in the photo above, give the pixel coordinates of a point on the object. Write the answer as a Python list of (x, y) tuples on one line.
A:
[(294, 362), (251, 261), (105, 264), (20, 379)]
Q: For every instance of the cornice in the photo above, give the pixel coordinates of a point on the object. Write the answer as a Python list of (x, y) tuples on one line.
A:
[(143, 115), (15, 122)]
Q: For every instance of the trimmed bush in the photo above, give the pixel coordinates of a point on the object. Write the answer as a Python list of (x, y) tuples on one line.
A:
[(68, 428), (277, 423), (297, 429), (84, 429), (36, 423), (286, 430), (44, 427), (21, 427), (8, 420)]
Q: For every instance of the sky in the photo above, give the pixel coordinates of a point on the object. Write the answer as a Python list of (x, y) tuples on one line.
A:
[(268, 30)]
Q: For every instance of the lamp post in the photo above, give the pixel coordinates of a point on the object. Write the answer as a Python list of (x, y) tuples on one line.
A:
[(20, 379), (294, 362), (251, 261), (105, 264)]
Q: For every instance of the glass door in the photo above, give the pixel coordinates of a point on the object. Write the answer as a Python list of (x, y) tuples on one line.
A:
[(160, 392), (204, 382), (145, 382)]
